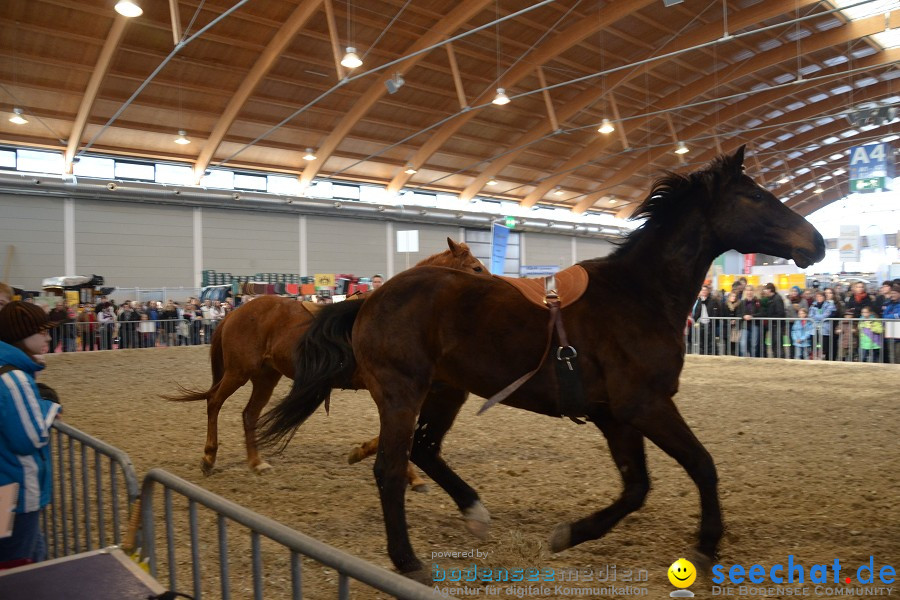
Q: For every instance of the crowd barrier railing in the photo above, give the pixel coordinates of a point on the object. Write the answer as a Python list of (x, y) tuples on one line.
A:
[(847, 340), (295, 543), (90, 336), (95, 487)]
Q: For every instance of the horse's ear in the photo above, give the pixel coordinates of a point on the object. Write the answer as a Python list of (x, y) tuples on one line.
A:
[(454, 247), (737, 161)]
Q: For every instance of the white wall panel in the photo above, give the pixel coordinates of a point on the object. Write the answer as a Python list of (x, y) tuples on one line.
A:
[(248, 242), (134, 245), (545, 249), (349, 246), (587, 248), (33, 227)]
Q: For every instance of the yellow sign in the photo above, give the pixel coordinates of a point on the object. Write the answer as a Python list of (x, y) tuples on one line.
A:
[(724, 282), (785, 282), (324, 279), (72, 298)]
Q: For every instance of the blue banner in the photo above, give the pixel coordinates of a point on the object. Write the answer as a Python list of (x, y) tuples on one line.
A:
[(499, 240)]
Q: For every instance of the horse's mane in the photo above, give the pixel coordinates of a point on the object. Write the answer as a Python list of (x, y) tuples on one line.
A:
[(669, 197)]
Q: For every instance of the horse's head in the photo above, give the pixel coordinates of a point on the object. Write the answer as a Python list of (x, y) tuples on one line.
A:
[(458, 257), (747, 217)]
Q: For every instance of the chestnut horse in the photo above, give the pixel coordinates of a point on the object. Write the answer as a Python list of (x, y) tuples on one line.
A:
[(256, 342), (430, 336)]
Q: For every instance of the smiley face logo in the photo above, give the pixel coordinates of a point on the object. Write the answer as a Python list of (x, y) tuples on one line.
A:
[(682, 573)]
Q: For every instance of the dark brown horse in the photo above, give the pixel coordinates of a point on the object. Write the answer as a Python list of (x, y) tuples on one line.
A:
[(256, 343), (430, 336)]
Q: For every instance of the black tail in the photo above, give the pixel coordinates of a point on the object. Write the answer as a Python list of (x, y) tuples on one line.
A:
[(323, 359)]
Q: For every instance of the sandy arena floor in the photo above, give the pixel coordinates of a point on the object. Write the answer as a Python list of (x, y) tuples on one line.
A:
[(807, 456)]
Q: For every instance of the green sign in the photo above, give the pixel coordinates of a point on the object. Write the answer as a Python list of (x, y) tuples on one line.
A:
[(870, 184), (511, 222)]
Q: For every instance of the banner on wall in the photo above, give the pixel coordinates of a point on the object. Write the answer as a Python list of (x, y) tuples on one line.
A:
[(848, 243), (408, 241), (749, 261), (499, 241)]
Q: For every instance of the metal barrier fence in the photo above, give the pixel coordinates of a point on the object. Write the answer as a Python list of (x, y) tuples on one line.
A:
[(94, 489), (297, 544), (848, 340), (89, 336)]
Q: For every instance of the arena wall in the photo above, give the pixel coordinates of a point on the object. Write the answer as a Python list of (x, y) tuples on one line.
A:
[(34, 227)]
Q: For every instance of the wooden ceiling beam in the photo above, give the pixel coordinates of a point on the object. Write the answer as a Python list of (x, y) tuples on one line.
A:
[(457, 17), (542, 54), (298, 19), (333, 36), (703, 34), (457, 79), (176, 21), (90, 93), (742, 108)]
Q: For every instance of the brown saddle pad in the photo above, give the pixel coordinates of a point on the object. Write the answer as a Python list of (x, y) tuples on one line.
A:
[(312, 307), (570, 286)]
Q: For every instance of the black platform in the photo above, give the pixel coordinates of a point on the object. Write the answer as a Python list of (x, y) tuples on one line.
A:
[(98, 575)]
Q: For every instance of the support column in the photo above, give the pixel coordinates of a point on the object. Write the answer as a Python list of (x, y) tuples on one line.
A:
[(198, 247), (69, 236), (390, 249), (574, 250), (304, 254)]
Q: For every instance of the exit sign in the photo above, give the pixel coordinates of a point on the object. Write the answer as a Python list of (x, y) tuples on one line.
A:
[(872, 184), (511, 222)]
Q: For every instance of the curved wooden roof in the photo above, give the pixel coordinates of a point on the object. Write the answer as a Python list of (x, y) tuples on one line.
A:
[(261, 85)]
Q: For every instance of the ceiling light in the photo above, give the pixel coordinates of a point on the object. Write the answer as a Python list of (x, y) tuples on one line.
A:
[(492, 182), (819, 189), (606, 127), (681, 148), (310, 155), (182, 138), (501, 98), (784, 180), (351, 60), (128, 8), (558, 191), (410, 170), (612, 200), (17, 117)]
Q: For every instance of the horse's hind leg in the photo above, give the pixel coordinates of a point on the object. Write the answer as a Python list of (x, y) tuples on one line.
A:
[(661, 422), (228, 385), (435, 419), (370, 448), (264, 383), (626, 444)]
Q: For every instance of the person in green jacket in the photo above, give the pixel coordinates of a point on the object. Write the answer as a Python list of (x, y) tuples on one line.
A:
[(870, 336)]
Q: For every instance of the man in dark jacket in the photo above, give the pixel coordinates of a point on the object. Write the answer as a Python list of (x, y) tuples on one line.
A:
[(772, 307), (705, 323)]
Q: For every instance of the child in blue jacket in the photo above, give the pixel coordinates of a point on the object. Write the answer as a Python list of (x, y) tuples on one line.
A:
[(801, 335), (25, 419)]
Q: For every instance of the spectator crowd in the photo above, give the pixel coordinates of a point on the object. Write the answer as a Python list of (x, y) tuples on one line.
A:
[(824, 324)]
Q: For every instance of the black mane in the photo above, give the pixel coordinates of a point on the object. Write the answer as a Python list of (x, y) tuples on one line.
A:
[(667, 200)]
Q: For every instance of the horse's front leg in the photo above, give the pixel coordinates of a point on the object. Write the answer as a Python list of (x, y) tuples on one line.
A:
[(435, 418), (626, 444)]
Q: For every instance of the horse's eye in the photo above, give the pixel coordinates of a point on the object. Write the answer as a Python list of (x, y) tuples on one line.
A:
[(757, 195), (478, 269)]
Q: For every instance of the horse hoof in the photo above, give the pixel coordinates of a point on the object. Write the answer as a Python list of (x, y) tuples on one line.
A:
[(422, 576), (478, 520), (356, 455), (262, 468), (422, 488), (561, 538), (702, 562), (206, 467)]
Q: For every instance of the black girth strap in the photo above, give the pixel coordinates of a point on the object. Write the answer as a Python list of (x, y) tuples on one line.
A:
[(570, 402)]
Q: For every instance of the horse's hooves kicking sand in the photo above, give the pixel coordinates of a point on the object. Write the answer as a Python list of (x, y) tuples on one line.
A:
[(422, 488)]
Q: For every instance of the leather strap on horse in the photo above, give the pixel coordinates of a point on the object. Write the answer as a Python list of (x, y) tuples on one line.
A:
[(571, 392)]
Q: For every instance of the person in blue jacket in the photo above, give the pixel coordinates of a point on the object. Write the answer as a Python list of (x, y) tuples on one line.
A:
[(25, 419)]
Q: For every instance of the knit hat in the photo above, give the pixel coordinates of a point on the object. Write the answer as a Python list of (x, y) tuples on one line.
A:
[(19, 320)]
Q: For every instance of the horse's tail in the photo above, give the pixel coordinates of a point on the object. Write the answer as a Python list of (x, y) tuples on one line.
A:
[(323, 359), (217, 361)]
